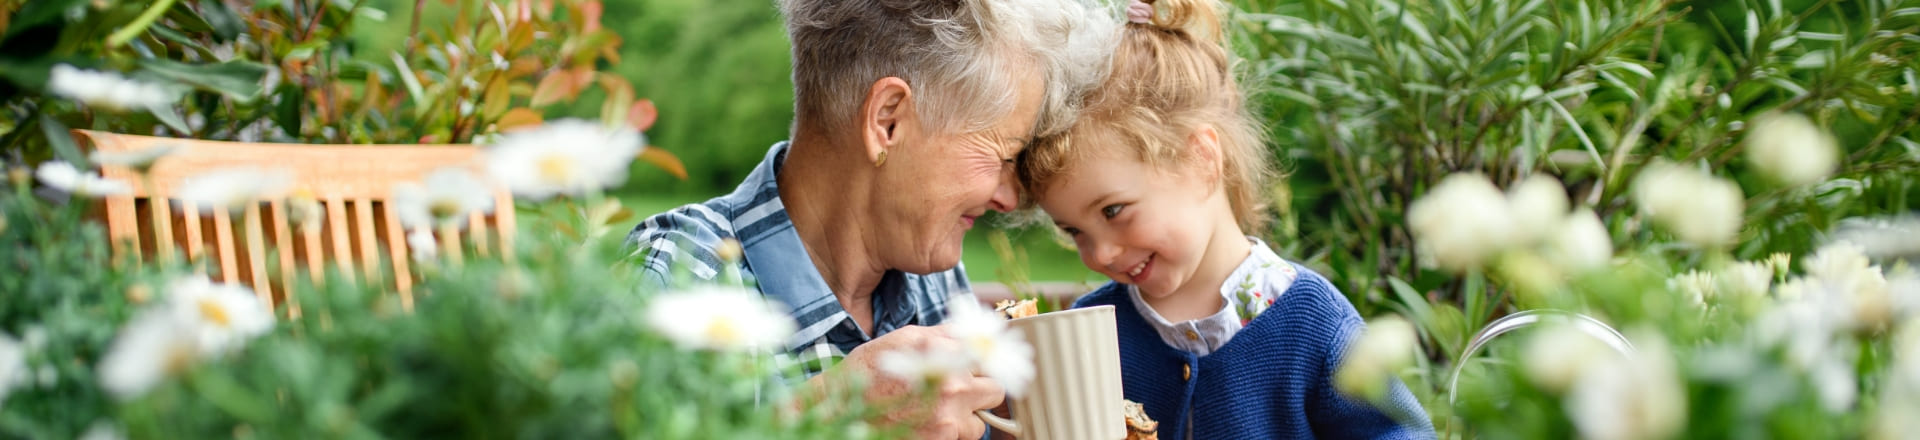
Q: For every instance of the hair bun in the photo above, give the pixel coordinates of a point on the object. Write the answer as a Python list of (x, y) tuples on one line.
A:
[(1197, 18)]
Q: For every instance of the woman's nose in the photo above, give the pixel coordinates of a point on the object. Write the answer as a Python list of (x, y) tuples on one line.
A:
[(1005, 196)]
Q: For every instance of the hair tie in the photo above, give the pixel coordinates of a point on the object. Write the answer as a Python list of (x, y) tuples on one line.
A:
[(1140, 12)]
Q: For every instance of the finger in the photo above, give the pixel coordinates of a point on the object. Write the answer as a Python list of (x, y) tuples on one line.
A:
[(969, 393)]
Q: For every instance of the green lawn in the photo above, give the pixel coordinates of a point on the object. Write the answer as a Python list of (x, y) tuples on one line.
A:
[(1045, 260)]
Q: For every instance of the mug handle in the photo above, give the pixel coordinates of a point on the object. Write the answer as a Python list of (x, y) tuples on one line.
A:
[(1004, 425)]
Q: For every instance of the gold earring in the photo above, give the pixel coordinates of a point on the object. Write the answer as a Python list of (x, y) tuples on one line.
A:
[(881, 160)]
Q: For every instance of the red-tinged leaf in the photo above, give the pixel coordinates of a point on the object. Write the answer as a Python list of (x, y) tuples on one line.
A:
[(590, 14), (519, 118), (665, 161), (430, 139), (496, 100), (551, 89), (642, 115)]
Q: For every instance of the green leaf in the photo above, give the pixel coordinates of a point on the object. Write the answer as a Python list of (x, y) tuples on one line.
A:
[(225, 23), (62, 141), (38, 12), (287, 113), (238, 80), (171, 117)]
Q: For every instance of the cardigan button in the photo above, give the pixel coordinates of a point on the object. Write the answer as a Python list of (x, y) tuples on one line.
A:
[(1186, 372), (1192, 335)]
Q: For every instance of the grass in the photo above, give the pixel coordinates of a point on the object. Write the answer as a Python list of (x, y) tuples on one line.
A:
[(1044, 260)]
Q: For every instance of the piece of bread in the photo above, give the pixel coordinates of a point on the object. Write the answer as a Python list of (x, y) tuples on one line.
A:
[(1139, 426), (1017, 309)]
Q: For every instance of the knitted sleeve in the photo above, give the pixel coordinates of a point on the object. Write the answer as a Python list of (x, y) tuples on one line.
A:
[(1335, 415)]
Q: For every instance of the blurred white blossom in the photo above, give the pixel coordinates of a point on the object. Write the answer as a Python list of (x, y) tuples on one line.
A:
[(1746, 279), (997, 351), (1630, 398), (1842, 270), (721, 318), (102, 430), (1791, 149), (421, 245), (64, 177), (1882, 238), (232, 189), (1582, 243), (1696, 207), (13, 366), (108, 90), (445, 198), (1697, 286), (923, 366), (1558, 355), (138, 160), (1386, 347), (1452, 225), (1536, 207), (565, 157), (151, 347), (221, 317)]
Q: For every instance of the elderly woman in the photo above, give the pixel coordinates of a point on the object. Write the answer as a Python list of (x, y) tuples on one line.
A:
[(909, 114)]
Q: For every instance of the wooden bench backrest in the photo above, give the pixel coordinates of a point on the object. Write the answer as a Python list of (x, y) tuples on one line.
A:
[(360, 232)]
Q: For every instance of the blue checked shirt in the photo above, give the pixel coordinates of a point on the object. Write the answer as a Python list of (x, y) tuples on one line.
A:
[(774, 260)]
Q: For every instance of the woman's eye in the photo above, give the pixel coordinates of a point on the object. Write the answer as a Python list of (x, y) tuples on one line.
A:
[(1111, 211)]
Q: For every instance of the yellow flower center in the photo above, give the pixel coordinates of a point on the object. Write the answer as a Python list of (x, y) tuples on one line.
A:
[(556, 168), (981, 345), (214, 313), (443, 209), (723, 332)]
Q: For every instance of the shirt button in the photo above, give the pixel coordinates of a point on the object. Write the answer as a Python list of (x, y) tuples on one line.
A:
[(1192, 335), (1186, 372)]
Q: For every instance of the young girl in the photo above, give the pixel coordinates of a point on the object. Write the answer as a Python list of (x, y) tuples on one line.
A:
[(1159, 183)]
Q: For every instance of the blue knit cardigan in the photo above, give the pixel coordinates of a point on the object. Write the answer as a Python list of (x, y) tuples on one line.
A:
[(1273, 380)]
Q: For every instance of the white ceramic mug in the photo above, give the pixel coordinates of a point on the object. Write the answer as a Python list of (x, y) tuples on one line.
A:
[(1075, 393)]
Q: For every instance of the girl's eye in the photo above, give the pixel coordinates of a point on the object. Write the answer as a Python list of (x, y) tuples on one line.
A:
[(1071, 232), (1111, 211)]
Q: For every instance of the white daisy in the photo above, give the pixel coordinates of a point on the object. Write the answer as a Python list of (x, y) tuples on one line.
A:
[(108, 90), (220, 317), (446, 197), (233, 188), (1000, 353), (63, 176), (565, 157), (420, 242), (720, 318), (139, 161), (1387, 346), (151, 347)]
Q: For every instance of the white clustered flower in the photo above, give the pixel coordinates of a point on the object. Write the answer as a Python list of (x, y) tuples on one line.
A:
[(13, 365), (1698, 286), (565, 157), (107, 90), (1842, 270), (733, 319), (1791, 149), (1630, 398), (997, 351), (1451, 223), (1582, 244), (420, 243), (446, 198), (1561, 354), (1697, 207), (232, 189), (1900, 397), (1536, 207), (102, 430), (1746, 279), (1883, 238), (139, 160), (1387, 346), (63, 176), (923, 366)]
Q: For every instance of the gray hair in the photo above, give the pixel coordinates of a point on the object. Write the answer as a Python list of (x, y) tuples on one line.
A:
[(960, 56)]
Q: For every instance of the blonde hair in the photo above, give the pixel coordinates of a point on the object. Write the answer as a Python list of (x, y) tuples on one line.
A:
[(962, 57), (1169, 77)]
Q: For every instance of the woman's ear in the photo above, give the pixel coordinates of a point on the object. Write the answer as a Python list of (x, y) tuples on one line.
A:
[(886, 117), (1205, 145)]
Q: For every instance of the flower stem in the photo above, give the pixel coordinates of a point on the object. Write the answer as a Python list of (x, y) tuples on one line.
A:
[(139, 24)]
